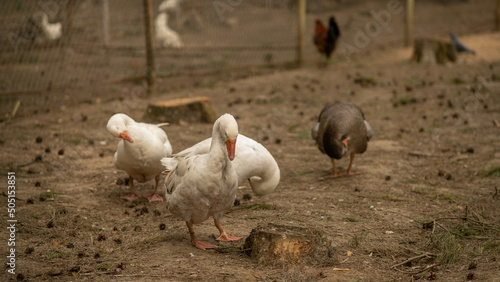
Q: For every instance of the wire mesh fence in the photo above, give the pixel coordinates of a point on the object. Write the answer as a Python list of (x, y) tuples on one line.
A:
[(84, 42), (59, 44)]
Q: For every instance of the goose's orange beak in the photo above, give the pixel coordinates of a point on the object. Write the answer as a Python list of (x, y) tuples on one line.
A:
[(124, 135), (345, 141), (231, 148)]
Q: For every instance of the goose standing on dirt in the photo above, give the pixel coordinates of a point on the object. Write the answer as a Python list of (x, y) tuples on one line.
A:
[(253, 163), (139, 152), (342, 129), (205, 185)]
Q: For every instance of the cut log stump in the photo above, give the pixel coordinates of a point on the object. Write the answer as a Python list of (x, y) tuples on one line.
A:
[(433, 51), (282, 245), (193, 110)]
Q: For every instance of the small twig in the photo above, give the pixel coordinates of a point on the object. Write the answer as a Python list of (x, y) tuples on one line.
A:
[(345, 260), (419, 154), (496, 193), (413, 258), (14, 111), (419, 271)]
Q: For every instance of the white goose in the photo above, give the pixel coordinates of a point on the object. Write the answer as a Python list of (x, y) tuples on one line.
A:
[(205, 185), (51, 31), (253, 163), (167, 36), (139, 152), (170, 5)]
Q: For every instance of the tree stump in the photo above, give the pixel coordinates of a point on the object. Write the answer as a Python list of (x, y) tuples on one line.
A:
[(432, 51), (282, 245), (195, 109)]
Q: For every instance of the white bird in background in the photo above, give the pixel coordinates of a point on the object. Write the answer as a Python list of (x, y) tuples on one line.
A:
[(140, 151), (51, 31), (167, 36), (170, 6), (205, 185), (253, 162)]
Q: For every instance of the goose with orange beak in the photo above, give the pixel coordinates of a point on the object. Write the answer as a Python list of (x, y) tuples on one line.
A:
[(204, 185), (342, 129), (254, 163), (139, 152)]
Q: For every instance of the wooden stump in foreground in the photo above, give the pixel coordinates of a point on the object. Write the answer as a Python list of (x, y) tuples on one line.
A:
[(193, 109), (427, 50), (281, 245)]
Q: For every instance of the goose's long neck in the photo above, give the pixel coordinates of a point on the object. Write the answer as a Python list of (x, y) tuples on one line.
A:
[(266, 184), (217, 147)]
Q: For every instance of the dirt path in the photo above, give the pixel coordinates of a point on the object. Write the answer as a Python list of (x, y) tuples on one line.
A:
[(436, 139)]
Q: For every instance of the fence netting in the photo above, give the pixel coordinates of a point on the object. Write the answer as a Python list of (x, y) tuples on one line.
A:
[(102, 40)]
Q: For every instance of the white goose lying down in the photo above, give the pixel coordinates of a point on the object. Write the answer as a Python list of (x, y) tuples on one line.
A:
[(253, 162), (205, 185), (139, 151)]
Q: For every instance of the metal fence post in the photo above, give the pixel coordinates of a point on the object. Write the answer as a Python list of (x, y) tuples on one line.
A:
[(409, 22), (69, 21), (301, 14), (105, 21), (498, 16), (148, 23)]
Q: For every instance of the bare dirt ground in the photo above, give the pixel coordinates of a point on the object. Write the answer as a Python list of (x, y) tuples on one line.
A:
[(428, 185)]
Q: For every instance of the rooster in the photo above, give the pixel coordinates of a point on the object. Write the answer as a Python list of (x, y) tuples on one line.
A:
[(326, 39)]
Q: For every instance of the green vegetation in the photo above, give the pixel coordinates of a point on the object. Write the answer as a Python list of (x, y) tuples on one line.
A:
[(365, 81), (75, 141), (276, 101), (47, 195), (421, 190), (390, 198), (356, 240), (293, 127), (104, 267), (155, 237), (304, 135), (448, 197), (448, 247), (493, 171), (54, 253), (457, 81), (402, 100), (491, 244), (465, 230)]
